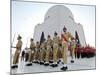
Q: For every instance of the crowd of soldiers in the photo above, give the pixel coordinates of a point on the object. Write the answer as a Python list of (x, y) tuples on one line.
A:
[(49, 52)]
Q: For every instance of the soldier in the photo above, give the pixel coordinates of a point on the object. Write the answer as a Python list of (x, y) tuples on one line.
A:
[(36, 53), (42, 53), (73, 46), (32, 47), (59, 50), (31, 52), (49, 42), (55, 49), (65, 40), (17, 52)]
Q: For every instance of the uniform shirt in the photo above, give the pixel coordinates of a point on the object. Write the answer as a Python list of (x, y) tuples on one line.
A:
[(37, 47), (56, 40), (32, 45), (49, 42), (19, 45), (66, 37)]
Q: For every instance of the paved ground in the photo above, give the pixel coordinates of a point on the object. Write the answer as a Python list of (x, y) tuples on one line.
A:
[(80, 64)]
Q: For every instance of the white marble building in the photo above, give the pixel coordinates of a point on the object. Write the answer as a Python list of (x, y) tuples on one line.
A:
[(55, 19)]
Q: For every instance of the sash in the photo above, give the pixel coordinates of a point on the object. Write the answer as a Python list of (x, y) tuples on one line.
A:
[(65, 39)]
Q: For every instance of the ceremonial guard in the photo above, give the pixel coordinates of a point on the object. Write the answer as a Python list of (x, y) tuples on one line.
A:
[(36, 53), (31, 52), (49, 42), (42, 52), (65, 39), (59, 56), (17, 52), (55, 49)]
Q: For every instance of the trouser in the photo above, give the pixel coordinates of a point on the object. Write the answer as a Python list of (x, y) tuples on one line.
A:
[(55, 51), (36, 55), (16, 57), (65, 52), (59, 54), (72, 52), (42, 55), (32, 57), (47, 54), (51, 55)]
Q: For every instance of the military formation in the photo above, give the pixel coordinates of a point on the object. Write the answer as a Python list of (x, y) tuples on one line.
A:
[(50, 52)]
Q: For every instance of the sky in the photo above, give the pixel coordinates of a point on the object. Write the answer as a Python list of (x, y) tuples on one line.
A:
[(26, 15)]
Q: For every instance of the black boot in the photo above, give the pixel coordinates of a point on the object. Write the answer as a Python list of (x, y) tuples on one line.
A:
[(46, 64), (36, 62), (50, 61), (64, 68), (14, 66), (58, 62), (54, 65), (72, 61), (29, 64), (41, 63)]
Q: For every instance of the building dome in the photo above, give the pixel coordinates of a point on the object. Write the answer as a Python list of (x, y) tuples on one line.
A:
[(59, 10)]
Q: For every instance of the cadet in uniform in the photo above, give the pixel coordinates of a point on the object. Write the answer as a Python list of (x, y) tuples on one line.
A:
[(31, 52), (59, 50), (36, 53), (49, 42), (17, 52), (42, 53), (65, 40), (55, 49)]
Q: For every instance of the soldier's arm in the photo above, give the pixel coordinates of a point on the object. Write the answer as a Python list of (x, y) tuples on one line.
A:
[(19, 44), (13, 47)]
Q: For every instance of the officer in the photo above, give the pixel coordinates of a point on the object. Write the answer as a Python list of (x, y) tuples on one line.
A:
[(65, 40), (17, 52), (31, 52)]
